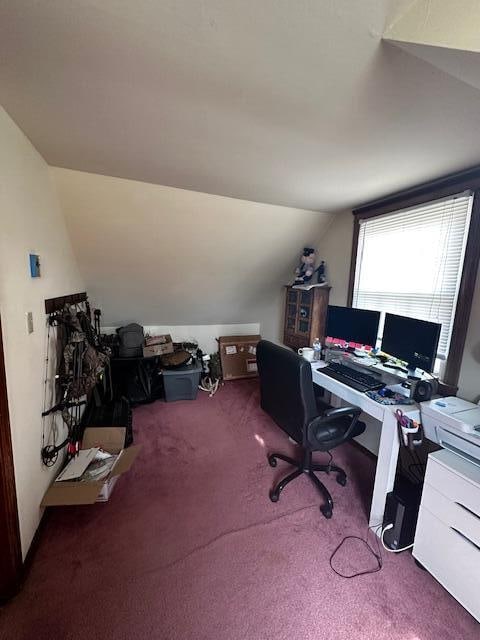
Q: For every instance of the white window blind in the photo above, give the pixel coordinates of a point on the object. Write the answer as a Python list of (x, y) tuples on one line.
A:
[(410, 262)]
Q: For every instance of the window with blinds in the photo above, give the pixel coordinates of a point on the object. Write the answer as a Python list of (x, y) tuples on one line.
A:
[(410, 262)]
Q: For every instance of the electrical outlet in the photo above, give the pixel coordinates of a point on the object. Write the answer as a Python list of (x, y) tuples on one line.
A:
[(29, 317)]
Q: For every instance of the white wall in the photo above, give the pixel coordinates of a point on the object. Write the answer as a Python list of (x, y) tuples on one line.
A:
[(31, 221), (469, 383), (437, 23), (335, 248), (170, 257)]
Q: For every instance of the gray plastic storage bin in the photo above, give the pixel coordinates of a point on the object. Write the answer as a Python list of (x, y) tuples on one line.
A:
[(182, 383)]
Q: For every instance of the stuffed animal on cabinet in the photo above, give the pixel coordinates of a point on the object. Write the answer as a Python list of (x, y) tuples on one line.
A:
[(306, 268)]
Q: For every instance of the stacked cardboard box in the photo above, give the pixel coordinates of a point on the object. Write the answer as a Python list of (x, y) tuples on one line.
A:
[(157, 345)]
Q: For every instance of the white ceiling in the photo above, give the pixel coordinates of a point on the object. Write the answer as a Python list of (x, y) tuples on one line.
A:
[(464, 65), (443, 33), (294, 102)]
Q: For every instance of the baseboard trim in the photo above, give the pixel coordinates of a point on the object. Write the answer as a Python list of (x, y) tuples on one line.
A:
[(27, 563)]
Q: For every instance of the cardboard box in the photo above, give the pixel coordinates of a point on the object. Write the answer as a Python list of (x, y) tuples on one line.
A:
[(165, 339), (157, 346), (107, 489), (238, 356), (110, 439)]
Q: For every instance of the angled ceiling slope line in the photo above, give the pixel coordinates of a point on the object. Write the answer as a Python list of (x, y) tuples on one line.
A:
[(444, 34), (290, 103)]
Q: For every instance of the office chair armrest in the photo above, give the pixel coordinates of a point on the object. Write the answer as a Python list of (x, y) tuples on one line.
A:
[(342, 411)]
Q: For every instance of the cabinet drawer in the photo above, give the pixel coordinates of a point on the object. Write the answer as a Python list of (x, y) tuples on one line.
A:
[(453, 486), (451, 558), (452, 513)]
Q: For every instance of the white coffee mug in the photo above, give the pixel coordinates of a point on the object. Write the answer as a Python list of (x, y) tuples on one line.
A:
[(307, 353)]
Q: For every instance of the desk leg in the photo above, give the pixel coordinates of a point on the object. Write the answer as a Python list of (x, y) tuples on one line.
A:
[(386, 467), (335, 401)]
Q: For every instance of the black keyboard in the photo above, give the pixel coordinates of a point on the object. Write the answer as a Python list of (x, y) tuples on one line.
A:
[(352, 377)]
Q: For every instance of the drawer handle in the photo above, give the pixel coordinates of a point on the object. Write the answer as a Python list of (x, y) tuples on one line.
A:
[(462, 535), (475, 515)]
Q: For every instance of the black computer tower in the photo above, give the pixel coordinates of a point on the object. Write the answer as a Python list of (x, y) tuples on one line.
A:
[(401, 510)]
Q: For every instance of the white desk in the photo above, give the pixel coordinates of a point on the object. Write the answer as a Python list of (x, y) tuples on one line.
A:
[(389, 444)]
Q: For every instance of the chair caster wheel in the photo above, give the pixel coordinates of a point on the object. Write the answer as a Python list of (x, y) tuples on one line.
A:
[(273, 496), (342, 480), (327, 511), (272, 461)]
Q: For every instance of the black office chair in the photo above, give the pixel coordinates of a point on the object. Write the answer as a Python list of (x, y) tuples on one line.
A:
[(287, 395)]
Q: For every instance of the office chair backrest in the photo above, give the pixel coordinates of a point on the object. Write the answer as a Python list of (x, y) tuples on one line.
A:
[(286, 388)]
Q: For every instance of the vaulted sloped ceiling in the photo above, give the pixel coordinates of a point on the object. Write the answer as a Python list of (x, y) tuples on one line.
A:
[(164, 256), (445, 34), (294, 103)]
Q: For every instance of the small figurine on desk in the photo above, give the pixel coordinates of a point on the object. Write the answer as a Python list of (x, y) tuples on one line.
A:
[(306, 268)]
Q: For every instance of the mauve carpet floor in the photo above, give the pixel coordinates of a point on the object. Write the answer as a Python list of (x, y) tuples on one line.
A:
[(190, 547)]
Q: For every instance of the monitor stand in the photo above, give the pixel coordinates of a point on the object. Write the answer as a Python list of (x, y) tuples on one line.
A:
[(413, 373)]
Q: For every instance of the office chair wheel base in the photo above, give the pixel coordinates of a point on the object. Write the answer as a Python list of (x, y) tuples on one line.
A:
[(272, 461), (342, 480), (326, 510), (273, 496)]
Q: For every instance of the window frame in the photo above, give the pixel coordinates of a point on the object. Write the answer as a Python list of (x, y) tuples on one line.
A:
[(426, 192)]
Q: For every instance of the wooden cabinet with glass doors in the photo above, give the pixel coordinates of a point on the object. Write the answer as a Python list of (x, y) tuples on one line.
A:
[(305, 316)]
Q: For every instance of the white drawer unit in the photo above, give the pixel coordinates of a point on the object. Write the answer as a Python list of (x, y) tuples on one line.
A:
[(447, 538)]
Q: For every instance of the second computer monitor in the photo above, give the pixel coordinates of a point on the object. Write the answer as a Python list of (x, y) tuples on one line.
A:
[(353, 325), (413, 341)]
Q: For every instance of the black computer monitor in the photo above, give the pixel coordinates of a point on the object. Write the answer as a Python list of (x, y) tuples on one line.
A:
[(353, 325), (413, 341)]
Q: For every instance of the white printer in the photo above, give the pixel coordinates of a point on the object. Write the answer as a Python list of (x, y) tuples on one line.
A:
[(454, 424)]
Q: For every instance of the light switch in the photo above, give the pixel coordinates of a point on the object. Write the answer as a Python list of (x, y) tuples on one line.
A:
[(29, 316)]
